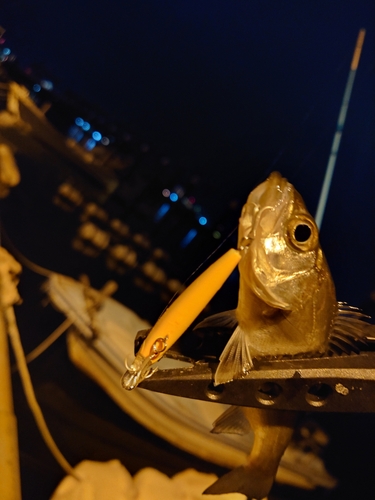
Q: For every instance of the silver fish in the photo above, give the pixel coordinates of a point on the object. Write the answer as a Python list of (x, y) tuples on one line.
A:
[(286, 307), (287, 301)]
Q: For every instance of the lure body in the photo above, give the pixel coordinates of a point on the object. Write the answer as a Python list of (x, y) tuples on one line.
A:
[(178, 317)]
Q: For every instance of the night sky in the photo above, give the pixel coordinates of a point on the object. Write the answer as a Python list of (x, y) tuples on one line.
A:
[(230, 91)]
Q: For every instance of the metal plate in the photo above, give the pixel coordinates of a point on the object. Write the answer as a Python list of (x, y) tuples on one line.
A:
[(342, 384)]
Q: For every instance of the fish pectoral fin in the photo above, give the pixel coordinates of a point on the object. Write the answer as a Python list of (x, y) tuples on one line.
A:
[(225, 319), (235, 360), (253, 483), (232, 421)]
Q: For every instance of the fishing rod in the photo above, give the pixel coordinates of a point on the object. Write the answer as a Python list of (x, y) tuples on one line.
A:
[(339, 129)]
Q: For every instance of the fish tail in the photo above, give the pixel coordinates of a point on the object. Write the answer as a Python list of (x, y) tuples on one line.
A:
[(235, 360), (254, 483)]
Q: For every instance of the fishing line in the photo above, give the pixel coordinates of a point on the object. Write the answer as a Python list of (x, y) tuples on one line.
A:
[(307, 155), (189, 278), (292, 140)]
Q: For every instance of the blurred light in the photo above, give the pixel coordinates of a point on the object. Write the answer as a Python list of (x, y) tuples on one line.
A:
[(186, 203), (173, 197), (162, 211), (192, 200), (86, 126), (188, 238), (197, 209), (75, 133), (46, 84), (96, 136), (216, 235), (90, 144), (37, 87), (166, 193), (180, 191), (79, 121), (202, 221), (105, 141), (6, 52)]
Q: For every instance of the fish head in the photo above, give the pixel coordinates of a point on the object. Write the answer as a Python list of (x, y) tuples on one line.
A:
[(280, 244)]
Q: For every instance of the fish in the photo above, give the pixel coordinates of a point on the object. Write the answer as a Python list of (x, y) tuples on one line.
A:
[(287, 302), (273, 431), (286, 307)]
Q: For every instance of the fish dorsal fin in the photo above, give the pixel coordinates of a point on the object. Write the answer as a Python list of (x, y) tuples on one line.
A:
[(232, 421), (235, 360), (225, 319), (351, 331)]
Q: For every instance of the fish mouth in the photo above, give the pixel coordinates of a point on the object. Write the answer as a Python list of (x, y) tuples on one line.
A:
[(275, 178), (272, 195), (267, 208), (274, 189)]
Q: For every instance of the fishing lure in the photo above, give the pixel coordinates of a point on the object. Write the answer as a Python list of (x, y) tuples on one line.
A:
[(177, 318)]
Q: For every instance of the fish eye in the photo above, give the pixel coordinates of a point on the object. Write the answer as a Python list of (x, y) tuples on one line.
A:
[(302, 233)]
